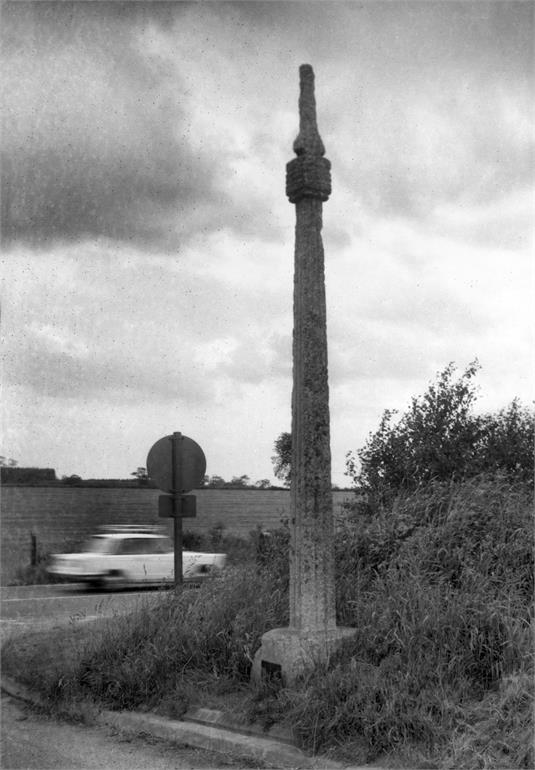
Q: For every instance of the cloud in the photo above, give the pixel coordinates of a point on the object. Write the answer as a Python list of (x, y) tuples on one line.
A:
[(405, 299), (259, 357), (504, 223), (449, 142), (148, 279), (39, 366), (150, 122), (96, 320), (433, 105), (95, 140)]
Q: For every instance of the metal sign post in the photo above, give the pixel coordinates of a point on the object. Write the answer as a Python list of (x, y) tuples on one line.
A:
[(177, 464), (176, 450)]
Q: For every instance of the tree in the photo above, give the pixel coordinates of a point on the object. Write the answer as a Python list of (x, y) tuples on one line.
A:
[(508, 441), (7, 462), (214, 482), (239, 482), (282, 459), (72, 480), (141, 475), (439, 438)]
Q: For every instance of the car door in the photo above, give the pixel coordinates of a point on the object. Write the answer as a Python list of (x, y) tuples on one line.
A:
[(164, 559), (129, 559), (154, 559)]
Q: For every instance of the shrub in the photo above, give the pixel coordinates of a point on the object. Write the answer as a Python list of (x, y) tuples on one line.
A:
[(439, 438), (239, 550), (192, 541), (455, 530)]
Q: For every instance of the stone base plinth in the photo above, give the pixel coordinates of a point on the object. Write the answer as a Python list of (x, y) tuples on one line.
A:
[(286, 653)]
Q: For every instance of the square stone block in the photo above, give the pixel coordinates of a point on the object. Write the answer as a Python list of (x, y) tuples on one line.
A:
[(286, 653)]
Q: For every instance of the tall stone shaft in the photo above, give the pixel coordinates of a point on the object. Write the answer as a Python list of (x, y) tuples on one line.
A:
[(312, 635), (308, 184)]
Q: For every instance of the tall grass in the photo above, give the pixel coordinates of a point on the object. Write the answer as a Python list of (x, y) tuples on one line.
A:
[(210, 635), (439, 591)]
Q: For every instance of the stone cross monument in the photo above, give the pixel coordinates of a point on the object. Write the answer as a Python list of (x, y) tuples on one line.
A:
[(313, 633)]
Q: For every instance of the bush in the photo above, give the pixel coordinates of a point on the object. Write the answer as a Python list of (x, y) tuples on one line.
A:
[(439, 438), (239, 550), (456, 530)]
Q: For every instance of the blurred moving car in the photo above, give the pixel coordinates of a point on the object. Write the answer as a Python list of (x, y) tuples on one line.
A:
[(132, 555)]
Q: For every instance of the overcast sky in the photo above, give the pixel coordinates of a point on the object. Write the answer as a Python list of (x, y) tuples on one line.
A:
[(147, 258)]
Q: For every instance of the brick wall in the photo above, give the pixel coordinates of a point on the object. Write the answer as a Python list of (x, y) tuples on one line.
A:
[(62, 516)]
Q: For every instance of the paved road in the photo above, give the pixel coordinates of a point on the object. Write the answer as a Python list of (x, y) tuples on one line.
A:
[(45, 606), (33, 742)]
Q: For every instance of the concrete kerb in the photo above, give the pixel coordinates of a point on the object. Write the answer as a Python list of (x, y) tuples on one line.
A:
[(267, 751)]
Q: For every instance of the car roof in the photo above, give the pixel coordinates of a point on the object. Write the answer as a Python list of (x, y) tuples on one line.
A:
[(121, 535), (119, 531)]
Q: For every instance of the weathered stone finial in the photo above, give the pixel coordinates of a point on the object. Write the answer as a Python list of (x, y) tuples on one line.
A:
[(308, 140), (308, 175)]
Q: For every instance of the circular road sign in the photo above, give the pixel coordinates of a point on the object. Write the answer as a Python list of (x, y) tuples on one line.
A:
[(177, 468)]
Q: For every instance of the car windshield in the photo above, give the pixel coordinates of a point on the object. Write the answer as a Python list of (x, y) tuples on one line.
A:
[(99, 544)]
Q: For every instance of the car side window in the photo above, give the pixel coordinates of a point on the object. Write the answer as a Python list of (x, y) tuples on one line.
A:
[(163, 545), (126, 547), (138, 545)]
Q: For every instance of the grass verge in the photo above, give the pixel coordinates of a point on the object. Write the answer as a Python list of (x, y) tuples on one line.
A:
[(440, 670)]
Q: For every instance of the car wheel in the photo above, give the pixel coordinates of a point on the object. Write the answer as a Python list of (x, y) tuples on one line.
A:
[(115, 580)]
